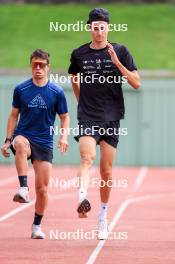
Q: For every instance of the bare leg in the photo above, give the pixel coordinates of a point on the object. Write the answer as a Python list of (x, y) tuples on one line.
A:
[(42, 175), (87, 156), (107, 157), (23, 151)]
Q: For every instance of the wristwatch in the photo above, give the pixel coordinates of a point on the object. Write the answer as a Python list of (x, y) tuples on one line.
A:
[(8, 139)]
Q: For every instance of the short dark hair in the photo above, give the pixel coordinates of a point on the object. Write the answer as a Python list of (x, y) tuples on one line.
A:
[(98, 14), (39, 53)]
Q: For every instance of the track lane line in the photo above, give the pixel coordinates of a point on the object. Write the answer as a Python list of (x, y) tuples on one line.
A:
[(124, 205), (52, 197), (23, 207)]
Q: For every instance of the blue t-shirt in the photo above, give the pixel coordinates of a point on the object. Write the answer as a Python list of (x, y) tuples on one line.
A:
[(38, 108)]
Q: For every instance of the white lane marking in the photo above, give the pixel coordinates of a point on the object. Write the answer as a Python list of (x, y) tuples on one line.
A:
[(15, 211), (23, 207), (139, 180)]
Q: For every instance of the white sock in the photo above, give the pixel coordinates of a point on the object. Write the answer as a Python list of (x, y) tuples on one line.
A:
[(82, 193), (103, 211)]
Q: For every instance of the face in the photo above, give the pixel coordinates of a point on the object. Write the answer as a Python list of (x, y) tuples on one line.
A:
[(40, 68), (99, 31)]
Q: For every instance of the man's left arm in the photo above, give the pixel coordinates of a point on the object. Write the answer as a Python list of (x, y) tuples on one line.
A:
[(133, 77)]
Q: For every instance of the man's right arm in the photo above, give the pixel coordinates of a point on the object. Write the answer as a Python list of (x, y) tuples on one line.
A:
[(12, 122), (76, 86), (11, 125), (74, 70)]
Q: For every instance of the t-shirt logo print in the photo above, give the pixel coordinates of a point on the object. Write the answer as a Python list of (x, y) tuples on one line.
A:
[(38, 101)]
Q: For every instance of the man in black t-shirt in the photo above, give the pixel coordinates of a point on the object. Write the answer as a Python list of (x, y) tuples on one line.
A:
[(98, 70)]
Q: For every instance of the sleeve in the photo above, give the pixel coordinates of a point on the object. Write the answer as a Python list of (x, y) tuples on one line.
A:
[(128, 61), (73, 68), (16, 98), (61, 107)]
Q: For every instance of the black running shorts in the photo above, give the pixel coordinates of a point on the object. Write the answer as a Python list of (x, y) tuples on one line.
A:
[(107, 131), (37, 152)]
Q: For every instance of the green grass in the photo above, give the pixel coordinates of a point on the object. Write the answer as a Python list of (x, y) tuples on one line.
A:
[(23, 28)]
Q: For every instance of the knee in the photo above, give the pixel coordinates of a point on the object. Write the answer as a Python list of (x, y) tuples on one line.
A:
[(87, 159), (106, 173), (41, 190), (21, 146)]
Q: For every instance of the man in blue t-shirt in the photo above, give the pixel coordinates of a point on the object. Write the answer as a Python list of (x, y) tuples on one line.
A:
[(37, 101)]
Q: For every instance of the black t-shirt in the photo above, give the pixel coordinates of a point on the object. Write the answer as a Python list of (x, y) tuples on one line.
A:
[(102, 98)]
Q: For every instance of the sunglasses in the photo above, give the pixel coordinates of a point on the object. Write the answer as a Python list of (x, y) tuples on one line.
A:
[(41, 65)]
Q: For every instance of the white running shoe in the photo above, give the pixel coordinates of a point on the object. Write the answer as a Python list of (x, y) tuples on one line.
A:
[(102, 229), (22, 195), (37, 233)]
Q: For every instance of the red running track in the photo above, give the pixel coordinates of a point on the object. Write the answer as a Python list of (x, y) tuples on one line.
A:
[(141, 219)]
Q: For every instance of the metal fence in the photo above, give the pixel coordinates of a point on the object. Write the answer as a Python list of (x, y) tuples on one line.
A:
[(149, 121)]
